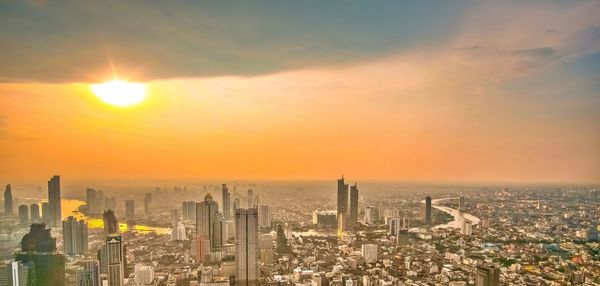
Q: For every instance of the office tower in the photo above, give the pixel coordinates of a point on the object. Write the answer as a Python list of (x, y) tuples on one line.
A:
[(38, 249), (189, 211), (202, 249), (370, 215), (75, 236), (129, 210), (395, 224), (325, 218), (144, 275), (487, 276), (54, 207), (264, 216), (111, 225), (178, 233), (45, 212), (147, 202), (461, 203), (246, 251), (250, 203), (369, 252), (226, 198), (427, 211), (90, 200), (219, 232), (15, 274), (88, 274), (110, 203), (115, 260), (342, 196), (8, 201), (174, 217), (23, 215), (466, 228), (354, 204), (282, 242), (205, 217), (35, 213), (236, 204)]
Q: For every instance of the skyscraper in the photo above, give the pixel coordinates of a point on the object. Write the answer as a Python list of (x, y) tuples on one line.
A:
[(354, 204), (38, 249), (147, 202), (88, 274), (205, 217), (264, 216), (75, 236), (246, 241), (250, 203), (188, 211), (23, 215), (487, 276), (45, 212), (342, 196), (111, 225), (54, 203), (35, 213), (282, 243), (427, 211), (15, 274), (226, 197), (115, 260), (174, 217), (370, 215), (461, 204), (129, 209), (8, 201), (219, 232)]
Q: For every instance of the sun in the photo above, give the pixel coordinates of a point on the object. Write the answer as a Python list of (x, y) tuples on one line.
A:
[(120, 93)]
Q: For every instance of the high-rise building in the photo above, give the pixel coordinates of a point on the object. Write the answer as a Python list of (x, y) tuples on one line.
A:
[(354, 204), (282, 242), (219, 232), (129, 210), (90, 200), (342, 196), (178, 233), (370, 215), (147, 202), (75, 236), (110, 203), (205, 217), (88, 274), (144, 274), (115, 260), (427, 211), (487, 276), (324, 218), (174, 217), (226, 199), (23, 215), (246, 242), (250, 202), (54, 202), (369, 252), (188, 211), (15, 274), (45, 212), (264, 216), (38, 249), (461, 203), (35, 213), (111, 225), (395, 224), (202, 249), (466, 227), (8, 200)]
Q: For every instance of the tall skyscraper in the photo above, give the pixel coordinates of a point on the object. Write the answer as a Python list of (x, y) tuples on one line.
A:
[(188, 211), (15, 274), (147, 202), (461, 204), (264, 216), (174, 217), (282, 243), (219, 232), (226, 197), (35, 213), (88, 274), (45, 212), (427, 211), (54, 203), (75, 236), (129, 209), (8, 200), (370, 215), (205, 217), (111, 225), (202, 249), (487, 276), (354, 204), (342, 196), (115, 260), (250, 203), (38, 249), (23, 215), (246, 242)]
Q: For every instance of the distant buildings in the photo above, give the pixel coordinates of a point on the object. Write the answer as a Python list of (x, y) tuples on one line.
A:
[(369, 252), (23, 215), (75, 236), (8, 201), (487, 276), (324, 218), (264, 216), (226, 198), (35, 213), (370, 214), (461, 203), (88, 274), (38, 249), (143, 274), (466, 227), (427, 211), (342, 196), (246, 241), (178, 233), (188, 211), (147, 202), (111, 225), (54, 202), (95, 201), (129, 210), (354, 204)]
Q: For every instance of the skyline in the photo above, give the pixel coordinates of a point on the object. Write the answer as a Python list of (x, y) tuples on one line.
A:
[(416, 92)]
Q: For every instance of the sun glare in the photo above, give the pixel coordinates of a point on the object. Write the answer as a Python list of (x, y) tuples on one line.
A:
[(120, 93)]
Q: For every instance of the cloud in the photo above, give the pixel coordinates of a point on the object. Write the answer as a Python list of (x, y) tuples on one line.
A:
[(127, 133)]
